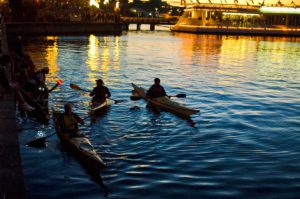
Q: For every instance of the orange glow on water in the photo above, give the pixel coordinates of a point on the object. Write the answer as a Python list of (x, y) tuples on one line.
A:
[(51, 57)]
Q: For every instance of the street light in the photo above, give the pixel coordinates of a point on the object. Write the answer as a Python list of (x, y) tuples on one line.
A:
[(94, 3)]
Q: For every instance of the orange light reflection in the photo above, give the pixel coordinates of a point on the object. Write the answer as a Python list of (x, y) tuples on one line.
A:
[(51, 58)]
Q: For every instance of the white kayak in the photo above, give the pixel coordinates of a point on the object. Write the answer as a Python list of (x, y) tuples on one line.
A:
[(98, 108), (165, 103)]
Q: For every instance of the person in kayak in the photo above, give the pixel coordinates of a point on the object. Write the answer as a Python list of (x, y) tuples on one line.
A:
[(156, 90), (68, 121), (100, 92)]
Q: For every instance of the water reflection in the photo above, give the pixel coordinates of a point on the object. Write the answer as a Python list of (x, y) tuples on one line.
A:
[(93, 53), (105, 58), (95, 175), (233, 57), (51, 57), (247, 89), (102, 58)]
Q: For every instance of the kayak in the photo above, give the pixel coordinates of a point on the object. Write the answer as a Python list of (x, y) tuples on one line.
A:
[(80, 146), (98, 108), (40, 105), (165, 103)]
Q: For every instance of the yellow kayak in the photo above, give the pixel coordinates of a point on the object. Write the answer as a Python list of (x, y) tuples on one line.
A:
[(80, 146), (165, 103)]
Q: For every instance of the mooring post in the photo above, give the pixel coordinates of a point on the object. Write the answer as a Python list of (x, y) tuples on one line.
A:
[(152, 27)]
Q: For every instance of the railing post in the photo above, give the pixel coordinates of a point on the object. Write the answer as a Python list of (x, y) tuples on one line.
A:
[(138, 26), (126, 26), (152, 26)]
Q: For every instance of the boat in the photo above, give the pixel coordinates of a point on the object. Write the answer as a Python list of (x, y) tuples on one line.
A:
[(165, 103), (97, 109), (239, 19), (39, 103), (80, 146)]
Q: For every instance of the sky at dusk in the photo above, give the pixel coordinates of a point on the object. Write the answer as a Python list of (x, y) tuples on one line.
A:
[(256, 2)]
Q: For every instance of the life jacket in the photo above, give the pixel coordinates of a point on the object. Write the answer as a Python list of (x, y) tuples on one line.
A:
[(156, 91), (69, 122), (100, 93)]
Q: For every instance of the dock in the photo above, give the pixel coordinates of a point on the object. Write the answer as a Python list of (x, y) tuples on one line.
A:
[(11, 173)]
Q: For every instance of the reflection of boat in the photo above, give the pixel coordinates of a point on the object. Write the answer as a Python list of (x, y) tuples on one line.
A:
[(239, 19), (80, 146), (165, 103), (95, 175), (98, 108)]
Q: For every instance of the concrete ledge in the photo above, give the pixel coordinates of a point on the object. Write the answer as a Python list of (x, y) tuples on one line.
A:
[(59, 28), (11, 173)]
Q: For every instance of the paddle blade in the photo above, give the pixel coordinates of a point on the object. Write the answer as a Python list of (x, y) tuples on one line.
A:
[(135, 98), (118, 101), (38, 143), (181, 95), (75, 87)]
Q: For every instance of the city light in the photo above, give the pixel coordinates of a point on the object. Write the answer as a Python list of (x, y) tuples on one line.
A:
[(94, 3), (239, 14), (279, 10)]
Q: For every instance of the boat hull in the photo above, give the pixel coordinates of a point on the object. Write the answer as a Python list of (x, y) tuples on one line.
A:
[(97, 109), (80, 146), (165, 103)]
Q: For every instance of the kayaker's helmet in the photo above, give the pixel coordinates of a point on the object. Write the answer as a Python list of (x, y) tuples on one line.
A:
[(99, 81), (68, 107), (156, 80)]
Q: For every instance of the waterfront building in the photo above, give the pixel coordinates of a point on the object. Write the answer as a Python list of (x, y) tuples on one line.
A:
[(240, 19)]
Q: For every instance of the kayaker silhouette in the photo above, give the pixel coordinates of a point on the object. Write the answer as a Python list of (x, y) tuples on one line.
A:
[(100, 92), (156, 90)]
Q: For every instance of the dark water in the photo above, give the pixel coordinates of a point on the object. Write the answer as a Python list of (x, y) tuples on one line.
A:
[(245, 142)]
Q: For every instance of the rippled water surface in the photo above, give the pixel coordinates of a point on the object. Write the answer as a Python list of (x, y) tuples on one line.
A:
[(244, 143)]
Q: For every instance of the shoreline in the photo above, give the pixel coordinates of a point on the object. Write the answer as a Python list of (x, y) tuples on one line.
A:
[(81, 28), (276, 32), (62, 28)]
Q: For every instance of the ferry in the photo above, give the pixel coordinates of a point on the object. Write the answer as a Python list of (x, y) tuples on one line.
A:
[(235, 19)]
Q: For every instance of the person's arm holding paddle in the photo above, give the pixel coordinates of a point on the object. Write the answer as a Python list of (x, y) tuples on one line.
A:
[(93, 92), (108, 94), (79, 119)]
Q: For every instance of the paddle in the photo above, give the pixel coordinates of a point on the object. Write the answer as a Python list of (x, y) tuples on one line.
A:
[(181, 95), (59, 82), (76, 87), (40, 142)]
